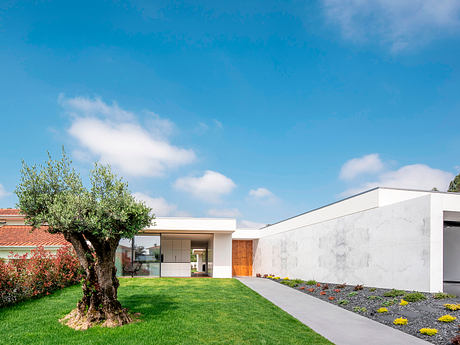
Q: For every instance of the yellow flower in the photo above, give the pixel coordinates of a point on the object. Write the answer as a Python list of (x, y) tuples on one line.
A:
[(400, 321), (286, 278), (382, 310), (277, 278), (447, 318), (429, 331), (452, 307), (403, 302)]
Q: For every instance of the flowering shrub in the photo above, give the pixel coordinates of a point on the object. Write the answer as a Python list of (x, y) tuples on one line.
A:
[(276, 278), (302, 288), (38, 273), (331, 298), (318, 284), (452, 307), (286, 278), (429, 331), (322, 293), (400, 321), (311, 289), (403, 302), (337, 290), (447, 318), (382, 310)]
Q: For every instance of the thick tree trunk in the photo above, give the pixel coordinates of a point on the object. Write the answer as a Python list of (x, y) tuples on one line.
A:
[(99, 304), (115, 314)]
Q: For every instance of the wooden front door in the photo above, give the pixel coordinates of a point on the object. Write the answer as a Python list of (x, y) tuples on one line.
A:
[(242, 258)]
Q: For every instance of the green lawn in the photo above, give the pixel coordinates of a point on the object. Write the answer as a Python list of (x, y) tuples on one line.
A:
[(174, 311)]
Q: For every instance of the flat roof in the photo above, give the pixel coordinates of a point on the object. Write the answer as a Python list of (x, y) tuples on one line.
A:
[(359, 194)]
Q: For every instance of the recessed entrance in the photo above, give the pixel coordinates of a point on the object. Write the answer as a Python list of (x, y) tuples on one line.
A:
[(179, 252)]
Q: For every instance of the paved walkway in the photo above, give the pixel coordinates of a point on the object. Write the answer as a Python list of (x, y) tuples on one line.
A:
[(340, 326)]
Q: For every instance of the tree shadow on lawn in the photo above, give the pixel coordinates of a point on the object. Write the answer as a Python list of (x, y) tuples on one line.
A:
[(149, 305)]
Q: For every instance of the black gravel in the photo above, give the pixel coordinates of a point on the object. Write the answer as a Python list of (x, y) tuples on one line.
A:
[(422, 314)]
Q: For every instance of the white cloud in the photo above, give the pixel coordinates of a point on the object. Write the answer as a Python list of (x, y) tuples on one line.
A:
[(113, 135), (78, 106), (3, 192), (218, 123), (260, 193), (227, 213), (399, 24), (160, 207), (416, 176), (363, 165), (247, 224), (209, 187)]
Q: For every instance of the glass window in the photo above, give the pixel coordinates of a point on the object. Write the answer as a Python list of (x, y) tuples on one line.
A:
[(147, 255), (138, 257)]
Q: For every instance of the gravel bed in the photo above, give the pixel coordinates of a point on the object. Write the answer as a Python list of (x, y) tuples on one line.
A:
[(421, 314)]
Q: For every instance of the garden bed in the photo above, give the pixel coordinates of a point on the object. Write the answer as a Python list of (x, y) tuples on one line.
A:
[(419, 310)]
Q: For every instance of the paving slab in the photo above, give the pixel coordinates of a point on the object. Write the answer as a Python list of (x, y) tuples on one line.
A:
[(340, 326)]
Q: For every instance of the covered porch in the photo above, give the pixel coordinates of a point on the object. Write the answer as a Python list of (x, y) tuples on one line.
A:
[(166, 249)]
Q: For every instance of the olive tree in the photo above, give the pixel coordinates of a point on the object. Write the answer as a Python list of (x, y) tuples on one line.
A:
[(93, 219)]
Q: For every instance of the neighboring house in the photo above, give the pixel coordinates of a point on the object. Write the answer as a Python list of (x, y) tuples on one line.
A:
[(384, 237), (17, 238)]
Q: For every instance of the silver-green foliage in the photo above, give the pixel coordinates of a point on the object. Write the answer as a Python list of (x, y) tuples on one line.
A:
[(53, 194)]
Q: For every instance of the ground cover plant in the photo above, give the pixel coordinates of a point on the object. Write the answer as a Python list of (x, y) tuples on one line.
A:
[(432, 317), (37, 273), (173, 311)]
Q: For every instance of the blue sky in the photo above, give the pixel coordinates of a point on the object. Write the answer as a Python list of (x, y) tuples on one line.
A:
[(255, 110)]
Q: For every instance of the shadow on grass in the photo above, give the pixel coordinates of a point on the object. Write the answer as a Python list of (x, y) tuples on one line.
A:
[(149, 305)]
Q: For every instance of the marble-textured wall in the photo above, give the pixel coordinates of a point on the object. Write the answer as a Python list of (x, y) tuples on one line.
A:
[(384, 247)]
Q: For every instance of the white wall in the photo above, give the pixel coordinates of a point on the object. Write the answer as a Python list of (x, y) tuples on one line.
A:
[(355, 204), (193, 224), (385, 247), (222, 258)]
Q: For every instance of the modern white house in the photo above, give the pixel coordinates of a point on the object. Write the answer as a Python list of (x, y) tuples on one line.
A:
[(384, 237)]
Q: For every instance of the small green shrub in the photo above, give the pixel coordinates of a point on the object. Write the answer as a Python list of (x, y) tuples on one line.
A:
[(290, 283), (344, 301), (414, 297), (372, 289), (310, 282), (353, 293), (442, 295), (390, 302), (360, 309), (372, 297), (394, 293)]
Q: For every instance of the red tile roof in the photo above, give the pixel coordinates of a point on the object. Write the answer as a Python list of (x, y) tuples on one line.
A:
[(9, 211), (21, 235)]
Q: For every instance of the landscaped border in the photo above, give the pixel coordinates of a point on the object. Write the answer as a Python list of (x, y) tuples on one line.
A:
[(432, 317)]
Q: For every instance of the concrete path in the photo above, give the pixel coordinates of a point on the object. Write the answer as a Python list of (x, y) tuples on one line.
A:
[(340, 326)]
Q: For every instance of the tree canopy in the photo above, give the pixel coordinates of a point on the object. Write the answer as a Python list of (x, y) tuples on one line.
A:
[(454, 185), (93, 220)]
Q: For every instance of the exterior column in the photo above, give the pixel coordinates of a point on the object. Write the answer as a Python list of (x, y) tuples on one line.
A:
[(199, 263)]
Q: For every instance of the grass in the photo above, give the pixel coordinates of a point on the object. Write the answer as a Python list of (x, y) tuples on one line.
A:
[(174, 311)]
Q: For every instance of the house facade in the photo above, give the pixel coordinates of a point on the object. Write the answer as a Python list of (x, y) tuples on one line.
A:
[(384, 237), (389, 238)]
